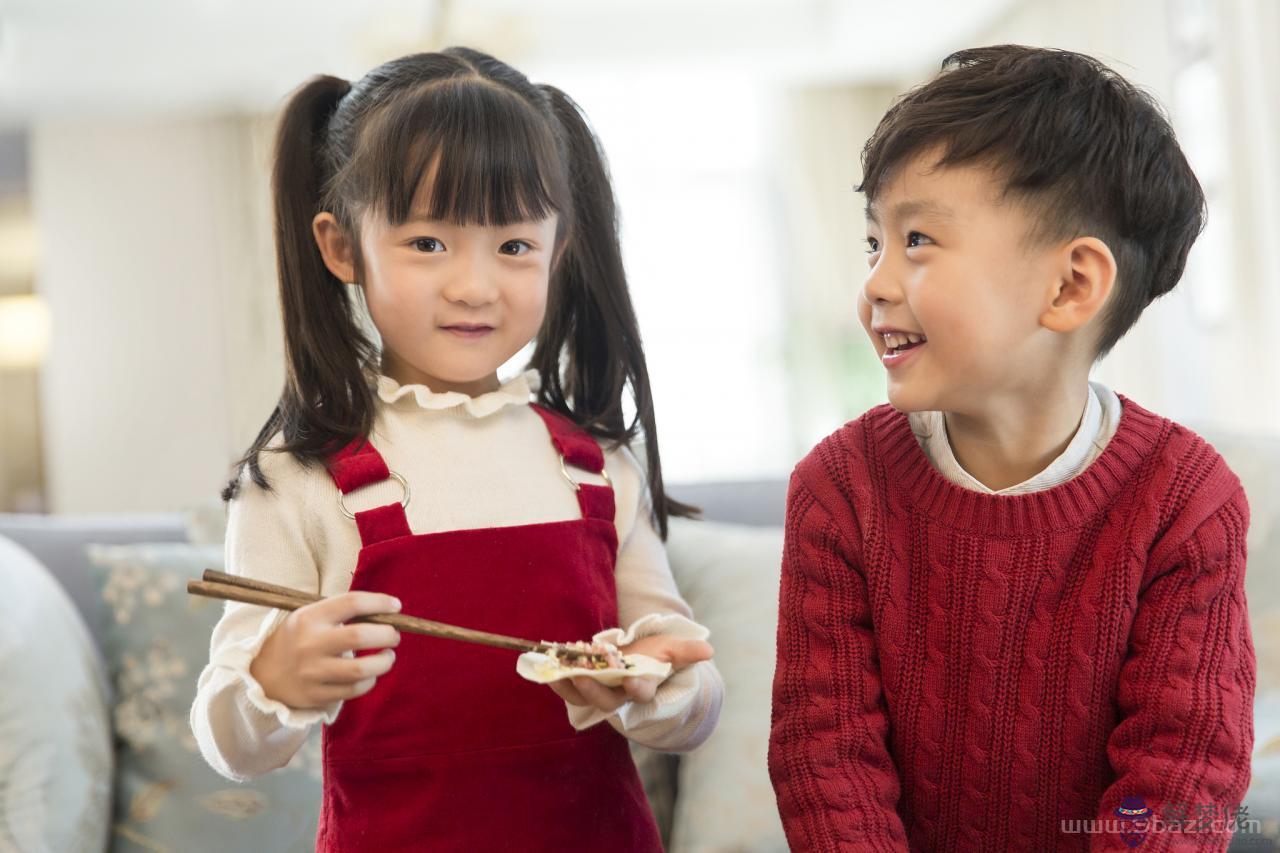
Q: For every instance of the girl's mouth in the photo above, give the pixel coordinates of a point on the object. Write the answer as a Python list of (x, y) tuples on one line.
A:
[(469, 330)]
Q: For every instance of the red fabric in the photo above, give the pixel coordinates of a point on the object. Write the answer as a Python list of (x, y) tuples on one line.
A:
[(961, 671), (452, 750), (358, 464), (596, 501), (576, 446), (382, 522)]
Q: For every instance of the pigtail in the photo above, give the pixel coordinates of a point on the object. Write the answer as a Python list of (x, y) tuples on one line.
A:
[(590, 318), (345, 149), (326, 398)]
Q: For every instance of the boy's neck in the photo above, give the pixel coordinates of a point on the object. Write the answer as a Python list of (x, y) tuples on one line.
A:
[(1016, 437)]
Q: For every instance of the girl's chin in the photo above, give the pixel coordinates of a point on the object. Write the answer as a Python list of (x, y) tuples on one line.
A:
[(475, 377)]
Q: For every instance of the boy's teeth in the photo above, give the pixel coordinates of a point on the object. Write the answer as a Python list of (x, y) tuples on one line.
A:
[(893, 340)]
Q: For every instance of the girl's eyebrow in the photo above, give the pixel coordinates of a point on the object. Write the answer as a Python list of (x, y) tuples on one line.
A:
[(424, 219), (911, 207)]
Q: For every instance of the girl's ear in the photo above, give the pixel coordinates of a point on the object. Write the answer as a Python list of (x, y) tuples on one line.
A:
[(335, 247), (1088, 275)]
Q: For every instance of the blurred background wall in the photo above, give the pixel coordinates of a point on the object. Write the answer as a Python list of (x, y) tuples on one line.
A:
[(134, 156)]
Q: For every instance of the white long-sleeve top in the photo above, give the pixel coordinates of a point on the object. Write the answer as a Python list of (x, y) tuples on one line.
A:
[(471, 462)]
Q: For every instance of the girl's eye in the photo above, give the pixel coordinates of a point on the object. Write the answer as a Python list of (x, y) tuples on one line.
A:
[(429, 245), (515, 247), (911, 239)]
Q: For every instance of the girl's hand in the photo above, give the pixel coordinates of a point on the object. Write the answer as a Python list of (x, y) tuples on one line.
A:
[(587, 691), (302, 664)]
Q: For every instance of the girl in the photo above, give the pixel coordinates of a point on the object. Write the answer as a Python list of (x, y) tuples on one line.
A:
[(472, 211)]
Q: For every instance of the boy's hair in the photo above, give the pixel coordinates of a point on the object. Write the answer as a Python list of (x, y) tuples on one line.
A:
[(1083, 150), (499, 149)]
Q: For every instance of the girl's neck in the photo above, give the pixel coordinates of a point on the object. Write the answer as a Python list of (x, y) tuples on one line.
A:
[(406, 374)]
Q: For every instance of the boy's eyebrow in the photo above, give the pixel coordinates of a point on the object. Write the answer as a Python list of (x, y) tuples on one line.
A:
[(904, 209)]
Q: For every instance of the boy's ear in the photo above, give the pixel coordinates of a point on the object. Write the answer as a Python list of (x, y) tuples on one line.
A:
[(1087, 274), (335, 246)]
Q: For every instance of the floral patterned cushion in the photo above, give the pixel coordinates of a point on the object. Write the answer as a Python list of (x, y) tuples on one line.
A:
[(156, 641), (55, 742)]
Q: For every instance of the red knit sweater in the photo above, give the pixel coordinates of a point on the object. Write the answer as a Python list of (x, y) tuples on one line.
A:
[(965, 671)]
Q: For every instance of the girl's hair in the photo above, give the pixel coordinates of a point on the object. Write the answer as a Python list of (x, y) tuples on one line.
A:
[(503, 150)]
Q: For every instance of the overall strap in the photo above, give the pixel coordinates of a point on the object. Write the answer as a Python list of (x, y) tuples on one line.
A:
[(357, 465), (578, 448)]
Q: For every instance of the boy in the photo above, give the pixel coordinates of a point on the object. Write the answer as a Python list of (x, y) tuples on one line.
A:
[(1012, 610)]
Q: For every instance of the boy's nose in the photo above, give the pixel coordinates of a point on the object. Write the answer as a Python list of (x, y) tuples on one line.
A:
[(881, 285)]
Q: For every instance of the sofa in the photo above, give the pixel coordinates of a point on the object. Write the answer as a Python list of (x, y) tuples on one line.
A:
[(102, 624), (130, 643)]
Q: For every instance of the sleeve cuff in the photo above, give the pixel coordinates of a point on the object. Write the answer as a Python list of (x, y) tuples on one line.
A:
[(673, 696), (237, 658), (672, 624)]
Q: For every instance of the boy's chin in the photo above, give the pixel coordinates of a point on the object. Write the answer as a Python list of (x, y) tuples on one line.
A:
[(907, 400)]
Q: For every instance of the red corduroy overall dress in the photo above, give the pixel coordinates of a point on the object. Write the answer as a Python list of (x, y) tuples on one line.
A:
[(451, 749)]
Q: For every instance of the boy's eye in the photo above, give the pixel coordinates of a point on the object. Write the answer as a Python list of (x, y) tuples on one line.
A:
[(912, 242), (873, 245), (429, 245), (515, 247)]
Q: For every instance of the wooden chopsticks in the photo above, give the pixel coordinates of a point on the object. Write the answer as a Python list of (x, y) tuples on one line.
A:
[(217, 584)]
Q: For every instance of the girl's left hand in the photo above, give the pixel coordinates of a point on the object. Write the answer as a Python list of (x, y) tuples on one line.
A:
[(678, 652)]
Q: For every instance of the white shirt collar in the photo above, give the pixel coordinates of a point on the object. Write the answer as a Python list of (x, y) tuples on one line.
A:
[(1097, 425), (518, 390)]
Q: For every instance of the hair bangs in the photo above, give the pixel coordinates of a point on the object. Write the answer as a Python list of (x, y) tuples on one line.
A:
[(464, 151)]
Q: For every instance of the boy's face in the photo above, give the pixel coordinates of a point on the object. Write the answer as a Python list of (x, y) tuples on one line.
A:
[(948, 262)]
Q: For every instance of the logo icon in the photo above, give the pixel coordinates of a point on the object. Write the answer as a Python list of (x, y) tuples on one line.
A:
[(1135, 820)]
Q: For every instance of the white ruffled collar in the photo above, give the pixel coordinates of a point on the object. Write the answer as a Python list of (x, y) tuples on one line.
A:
[(518, 390)]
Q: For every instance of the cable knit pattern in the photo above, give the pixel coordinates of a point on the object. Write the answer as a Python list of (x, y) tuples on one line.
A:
[(965, 671)]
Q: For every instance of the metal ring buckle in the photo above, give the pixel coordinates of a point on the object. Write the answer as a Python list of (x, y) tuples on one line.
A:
[(404, 502), (576, 485)]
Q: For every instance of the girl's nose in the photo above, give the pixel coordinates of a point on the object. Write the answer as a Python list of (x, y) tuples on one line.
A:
[(469, 295), (471, 285)]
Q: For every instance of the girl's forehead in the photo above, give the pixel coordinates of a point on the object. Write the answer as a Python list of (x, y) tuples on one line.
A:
[(463, 152), (376, 221), (468, 198)]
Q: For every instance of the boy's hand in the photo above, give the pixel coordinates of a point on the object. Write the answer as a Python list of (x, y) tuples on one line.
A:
[(582, 690), (302, 663)]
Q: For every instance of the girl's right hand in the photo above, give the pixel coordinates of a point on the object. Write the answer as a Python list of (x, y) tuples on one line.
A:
[(302, 663)]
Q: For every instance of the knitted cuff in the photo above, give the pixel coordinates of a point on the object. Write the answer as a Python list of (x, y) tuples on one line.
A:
[(238, 657), (673, 696)]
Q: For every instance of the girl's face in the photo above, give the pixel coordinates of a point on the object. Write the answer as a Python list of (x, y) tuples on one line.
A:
[(451, 302)]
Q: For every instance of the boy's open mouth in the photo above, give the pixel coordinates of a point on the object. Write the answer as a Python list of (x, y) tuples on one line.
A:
[(896, 342)]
